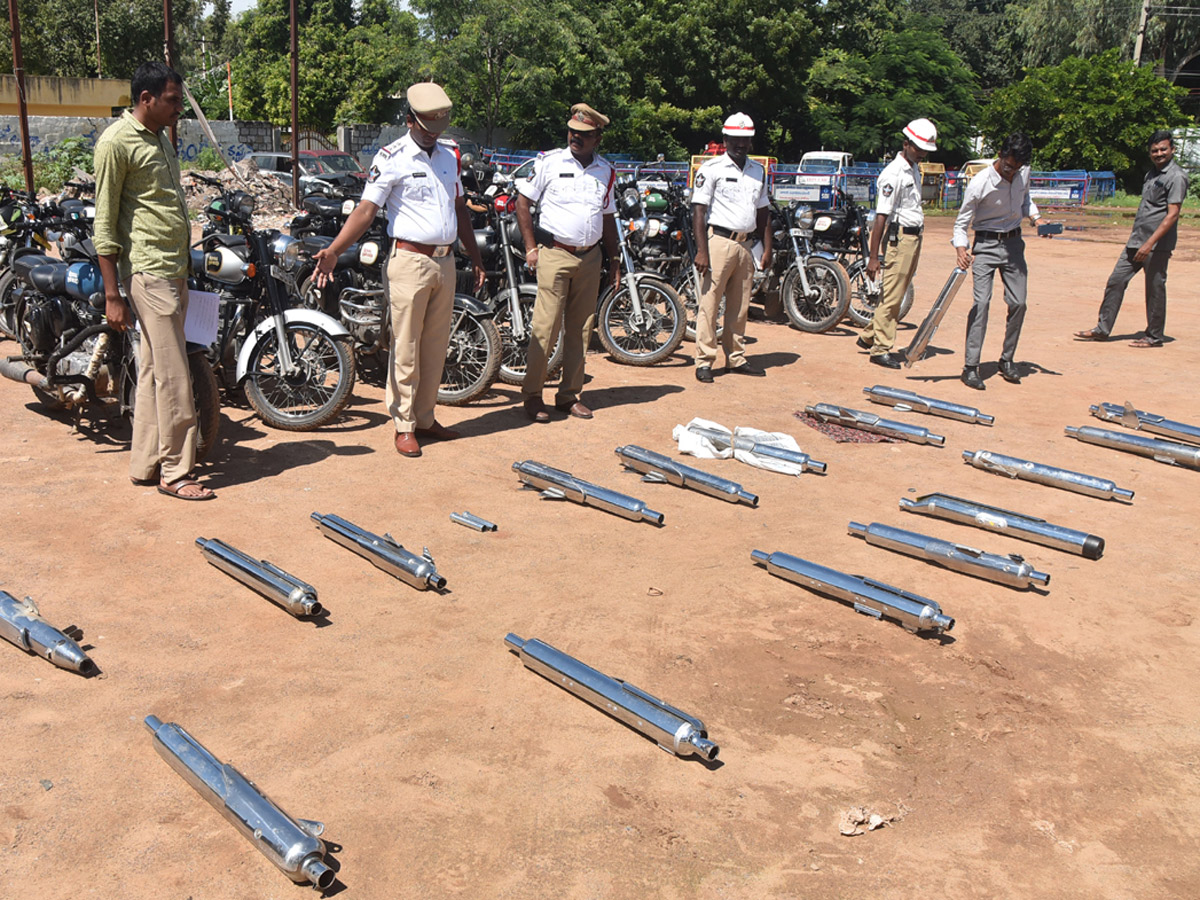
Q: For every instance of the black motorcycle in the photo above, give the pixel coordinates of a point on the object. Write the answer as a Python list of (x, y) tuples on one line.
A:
[(24, 223), (846, 232), (812, 285), (70, 355)]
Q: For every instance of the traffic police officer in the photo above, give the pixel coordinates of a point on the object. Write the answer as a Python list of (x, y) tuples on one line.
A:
[(574, 189), (729, 208), (416, 179), (898, 214), (995, 202)]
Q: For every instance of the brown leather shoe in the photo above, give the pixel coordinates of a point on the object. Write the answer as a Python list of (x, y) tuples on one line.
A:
[(1092, 334), (535, 408), (406, 444), (438, 432), (576, 409)]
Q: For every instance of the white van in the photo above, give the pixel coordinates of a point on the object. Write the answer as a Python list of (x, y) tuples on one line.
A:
[(818, 170)]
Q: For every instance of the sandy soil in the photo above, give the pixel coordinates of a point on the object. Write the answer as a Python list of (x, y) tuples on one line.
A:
[(1047, 747)]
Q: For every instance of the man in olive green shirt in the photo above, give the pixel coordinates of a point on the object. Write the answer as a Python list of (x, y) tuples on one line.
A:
[(141, 236)]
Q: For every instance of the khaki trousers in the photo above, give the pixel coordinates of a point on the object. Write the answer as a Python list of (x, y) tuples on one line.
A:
[(568, 288), (420, 291), (899, 265), (164, 418), (730, 274)]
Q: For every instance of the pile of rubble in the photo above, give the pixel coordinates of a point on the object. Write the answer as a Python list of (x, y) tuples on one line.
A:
[(273, 198)]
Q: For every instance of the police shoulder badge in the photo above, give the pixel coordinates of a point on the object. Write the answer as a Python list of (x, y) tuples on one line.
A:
[(374, 173), (700, 180), (886, 190)]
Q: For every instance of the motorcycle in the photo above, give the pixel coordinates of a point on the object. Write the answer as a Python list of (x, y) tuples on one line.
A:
[(846, 232), (643, 321), (71, 357), (295, 365), (812, 285), (23, 231)]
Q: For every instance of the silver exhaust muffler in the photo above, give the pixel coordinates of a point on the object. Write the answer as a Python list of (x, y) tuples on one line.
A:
[(865, 421), (288, 591), (383, 552), (1172, 453), (1040, 473), (1143, 421), (662, 469), (23, 625), (555, 484), (933, 319), (723, 440), (907, 401)]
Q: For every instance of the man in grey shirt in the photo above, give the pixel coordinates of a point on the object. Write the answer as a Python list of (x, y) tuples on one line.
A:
[(1149, 246), (995, 202)]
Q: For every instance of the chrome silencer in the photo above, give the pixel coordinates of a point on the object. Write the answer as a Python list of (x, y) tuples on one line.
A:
[(293, 845), (556, 484), (724, 441), (1143, 421), (933, 319), (383, 552), (1040, 473), (674, 730), (1172, 453), (23, 625), (658, 468), (288, 591), (865, 421), (1005, 521), (872, 598), (472, 521), (1011, 570), (907, 401)]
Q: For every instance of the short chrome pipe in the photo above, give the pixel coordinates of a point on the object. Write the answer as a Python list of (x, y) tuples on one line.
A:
[(555, 484), (672, 729), (1172, 453), (872, 598), (655, 467), (293, 845), (723, 440), (22, 624), (1005, 521), (1040, 473), (288, 591), (907, 401), (470, 520), (1011, 570), (383, 552), (1143, 421), (865, 421)]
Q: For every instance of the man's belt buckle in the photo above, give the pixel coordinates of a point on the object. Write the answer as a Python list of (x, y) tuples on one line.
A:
[(440, 251)]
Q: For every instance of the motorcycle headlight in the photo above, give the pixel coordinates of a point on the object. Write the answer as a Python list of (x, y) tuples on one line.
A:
[(348, 207), (803, 217), (243, 203), (654, 227), (287, 252), (368, 253)]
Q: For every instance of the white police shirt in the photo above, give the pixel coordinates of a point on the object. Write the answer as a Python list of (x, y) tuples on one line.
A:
[(572, 199), (418, 190), (994, 204), (898, 193), (733, 196)]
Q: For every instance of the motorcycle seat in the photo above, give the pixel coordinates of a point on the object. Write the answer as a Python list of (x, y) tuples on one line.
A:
[(228, 240), (322, 206), (50, 278), (314, 242), (23, 265), (349, 256)]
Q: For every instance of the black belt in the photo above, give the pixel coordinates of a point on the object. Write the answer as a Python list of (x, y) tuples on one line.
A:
[(907, 229), (732, 235), (997, 235)]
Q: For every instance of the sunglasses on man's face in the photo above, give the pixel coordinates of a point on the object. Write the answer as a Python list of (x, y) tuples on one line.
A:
[(575, 132)]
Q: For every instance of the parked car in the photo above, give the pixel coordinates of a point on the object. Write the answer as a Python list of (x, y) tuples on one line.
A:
[(317, 167)]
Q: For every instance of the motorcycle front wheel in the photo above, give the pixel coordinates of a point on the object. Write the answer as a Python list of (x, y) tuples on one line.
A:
[(472, 359), (864, 301), (8, 306), (827, 305), (516, 352), (645, 342), (311, 396)]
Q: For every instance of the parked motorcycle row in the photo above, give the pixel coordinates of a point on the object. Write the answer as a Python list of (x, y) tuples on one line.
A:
[(293, 348)]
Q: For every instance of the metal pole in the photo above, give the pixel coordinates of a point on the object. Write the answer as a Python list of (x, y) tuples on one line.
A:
[(168, 51), (295, 107), (1141, 33), (22, 112), (96, 9)]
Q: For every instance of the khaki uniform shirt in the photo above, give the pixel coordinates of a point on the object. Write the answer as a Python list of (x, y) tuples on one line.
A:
[(141, 214)]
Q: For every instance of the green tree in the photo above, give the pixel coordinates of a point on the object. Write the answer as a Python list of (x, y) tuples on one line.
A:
[(984, 35), (1094, 113)]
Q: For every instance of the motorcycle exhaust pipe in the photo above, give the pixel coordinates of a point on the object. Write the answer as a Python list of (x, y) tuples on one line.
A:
[(1143, 421), (556, 484), (658, 468), (22, 624), (907, 401), (288, 591), (672, 729), (1011, 570), (23, 372), (293, 845), (1170, 452), (933, 319), (1040, 473), (1005, 521), (865, 421), (383, 552), (872, 598), (723, 440)]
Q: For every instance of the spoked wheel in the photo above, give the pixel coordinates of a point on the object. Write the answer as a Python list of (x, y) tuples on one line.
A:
[(311, 396), (686, 289), (8, 306), (865, 298), (472, 359), (825, 305), (516, 352), (646, 340), (206, 394)]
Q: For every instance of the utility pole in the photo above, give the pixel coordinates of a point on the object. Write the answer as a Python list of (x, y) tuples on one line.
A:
[(96, 9), (1141, 33), (295, 108), (169, 51), (14, 18)]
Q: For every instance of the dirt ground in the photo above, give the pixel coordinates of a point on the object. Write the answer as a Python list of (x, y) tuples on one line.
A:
[(1047, 747)]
